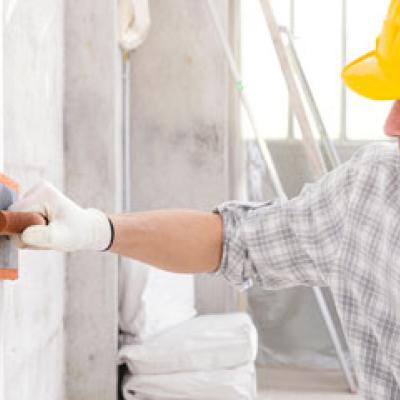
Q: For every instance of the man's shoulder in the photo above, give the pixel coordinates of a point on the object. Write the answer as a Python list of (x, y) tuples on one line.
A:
[(374, 172), (385, 155)]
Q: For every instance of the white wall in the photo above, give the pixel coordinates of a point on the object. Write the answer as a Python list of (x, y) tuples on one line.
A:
[(49, 311), (2, 292), (33, 149)]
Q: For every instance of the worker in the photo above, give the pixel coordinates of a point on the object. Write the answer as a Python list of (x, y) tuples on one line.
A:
[(342, 231)]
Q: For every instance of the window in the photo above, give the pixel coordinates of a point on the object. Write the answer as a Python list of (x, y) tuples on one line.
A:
[(318, 28)]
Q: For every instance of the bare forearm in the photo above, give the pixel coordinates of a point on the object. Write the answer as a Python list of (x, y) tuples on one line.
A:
[(175, 240)]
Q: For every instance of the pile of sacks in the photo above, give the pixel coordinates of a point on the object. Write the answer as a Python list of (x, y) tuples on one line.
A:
[(170, 353)]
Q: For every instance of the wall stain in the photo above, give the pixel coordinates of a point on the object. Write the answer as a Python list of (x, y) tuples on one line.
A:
[(197, 143)]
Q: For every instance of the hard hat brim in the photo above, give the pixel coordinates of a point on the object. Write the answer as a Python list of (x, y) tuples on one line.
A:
[(366, 77)]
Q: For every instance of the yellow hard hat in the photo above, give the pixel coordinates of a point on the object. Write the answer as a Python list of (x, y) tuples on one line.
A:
[(376, 75)]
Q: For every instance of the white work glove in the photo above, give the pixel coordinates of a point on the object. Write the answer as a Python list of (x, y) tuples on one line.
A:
[(70, 227)]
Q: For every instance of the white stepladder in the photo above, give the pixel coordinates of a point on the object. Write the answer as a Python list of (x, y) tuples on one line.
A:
[(311, 145)]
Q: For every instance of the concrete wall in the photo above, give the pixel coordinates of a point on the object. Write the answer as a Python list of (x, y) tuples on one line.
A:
[(180, 121), (33, 149), (45, 316), (91, 119)]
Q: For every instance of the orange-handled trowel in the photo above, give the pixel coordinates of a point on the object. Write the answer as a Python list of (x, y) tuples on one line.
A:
[(12, 223)]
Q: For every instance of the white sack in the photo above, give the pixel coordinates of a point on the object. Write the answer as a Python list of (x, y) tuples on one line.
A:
[(152, 301), (204, 343), (231, 384), (134, 23)]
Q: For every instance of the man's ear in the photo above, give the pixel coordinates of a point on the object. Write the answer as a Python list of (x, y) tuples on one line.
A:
[(392, 125)]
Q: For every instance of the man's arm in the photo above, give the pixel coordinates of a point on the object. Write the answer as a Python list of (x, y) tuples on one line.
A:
[(278, 244), (177, 240)]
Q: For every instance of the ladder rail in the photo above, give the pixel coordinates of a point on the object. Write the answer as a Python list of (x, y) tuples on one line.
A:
[(311, 147), (331, 152)]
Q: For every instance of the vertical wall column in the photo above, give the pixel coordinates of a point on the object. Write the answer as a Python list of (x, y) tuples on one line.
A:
[(2, 292), (181, 121), (33, 150), (92, 83)]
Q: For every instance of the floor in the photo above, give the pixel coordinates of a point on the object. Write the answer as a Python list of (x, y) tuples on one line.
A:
[(299, 384)]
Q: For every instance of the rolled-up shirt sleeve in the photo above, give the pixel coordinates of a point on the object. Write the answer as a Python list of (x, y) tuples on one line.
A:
[(281, 244)]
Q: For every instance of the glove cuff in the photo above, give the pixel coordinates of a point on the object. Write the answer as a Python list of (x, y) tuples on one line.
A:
[(102, 230), (112, 235)]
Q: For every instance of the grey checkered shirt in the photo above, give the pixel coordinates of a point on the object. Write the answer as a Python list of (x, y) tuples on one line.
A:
[(344, 232)]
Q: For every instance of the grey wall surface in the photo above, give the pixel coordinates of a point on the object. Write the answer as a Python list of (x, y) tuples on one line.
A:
[(33, 149), (91, 117), (180, 121)]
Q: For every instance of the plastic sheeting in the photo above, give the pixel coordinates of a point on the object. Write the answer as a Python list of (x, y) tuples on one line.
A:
[(291, 329), (134, 23)]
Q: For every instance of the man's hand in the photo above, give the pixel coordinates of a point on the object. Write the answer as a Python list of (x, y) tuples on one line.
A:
[(70, 227)]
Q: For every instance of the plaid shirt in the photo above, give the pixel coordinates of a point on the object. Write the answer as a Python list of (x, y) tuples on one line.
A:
[(344, 232)]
